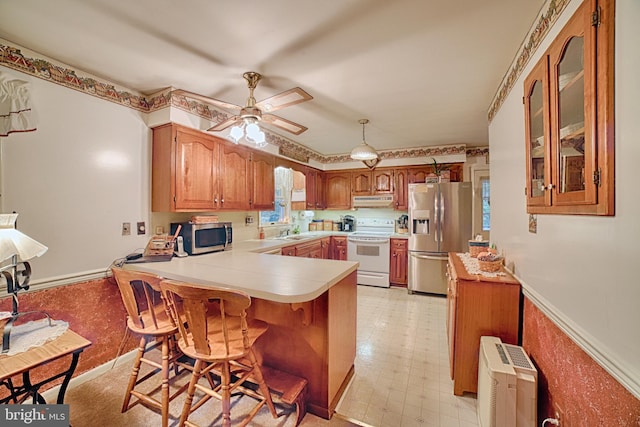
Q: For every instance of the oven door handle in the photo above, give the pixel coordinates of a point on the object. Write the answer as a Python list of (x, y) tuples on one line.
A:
[(372, 241)]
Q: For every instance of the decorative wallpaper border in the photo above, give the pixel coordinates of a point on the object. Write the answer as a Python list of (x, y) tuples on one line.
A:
[(527, 49), (43, 68)]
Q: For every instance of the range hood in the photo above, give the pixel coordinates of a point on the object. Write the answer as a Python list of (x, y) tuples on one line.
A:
[(372, 201)]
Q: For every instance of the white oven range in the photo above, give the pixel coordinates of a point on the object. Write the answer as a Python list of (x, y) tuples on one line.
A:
[(369, 245)]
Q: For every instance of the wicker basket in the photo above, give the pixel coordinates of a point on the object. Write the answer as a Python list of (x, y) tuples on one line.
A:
[(475, 247), (490, 266)]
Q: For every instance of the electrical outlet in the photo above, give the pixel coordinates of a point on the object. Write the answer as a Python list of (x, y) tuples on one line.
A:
[(142, 229), (126, 228)]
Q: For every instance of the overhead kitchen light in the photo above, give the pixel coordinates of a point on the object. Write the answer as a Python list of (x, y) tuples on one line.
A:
[(364, 151)]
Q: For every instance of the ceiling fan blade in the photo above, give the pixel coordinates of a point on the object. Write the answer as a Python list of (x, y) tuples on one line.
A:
[(284, 99), (224, 124), (207, 100), (288, 125)]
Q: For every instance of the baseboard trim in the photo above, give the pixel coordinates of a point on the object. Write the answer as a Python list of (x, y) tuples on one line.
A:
[(52, 394)]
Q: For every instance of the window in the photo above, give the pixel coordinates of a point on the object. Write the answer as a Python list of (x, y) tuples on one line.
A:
[(282, 211), (486, 223)]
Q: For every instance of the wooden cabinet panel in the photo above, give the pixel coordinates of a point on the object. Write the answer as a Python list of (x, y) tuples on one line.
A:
[(399, 262), (569, 118), (382, 182), (325, 245), (309, 250), (401, 189), (315, 189), (361, 183), (299, 185), (235, 177), (481, 306), (339, 248), (184, 170), (263, 182), (338, 190), (449, 171), (193, 171), (320, 191), (289, 251)]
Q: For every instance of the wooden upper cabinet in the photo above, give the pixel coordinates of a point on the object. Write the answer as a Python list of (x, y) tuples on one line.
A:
[(263, 181), (235, 173), (321, 202), (400, 200), (315, 189), (299, 186), (377, 182), (424, 173), (382, 181), (193, 171), (569, 117), (361, 183), (338, 190), (537, 121), (184, 170)]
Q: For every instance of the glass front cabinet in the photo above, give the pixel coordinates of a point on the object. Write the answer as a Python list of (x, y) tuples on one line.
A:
[(568, 99)]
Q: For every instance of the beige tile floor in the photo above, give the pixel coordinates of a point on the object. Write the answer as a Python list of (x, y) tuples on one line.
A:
[(402, 364)]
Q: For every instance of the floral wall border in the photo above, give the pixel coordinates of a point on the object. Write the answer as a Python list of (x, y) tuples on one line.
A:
[(527, 49), (46, 69)]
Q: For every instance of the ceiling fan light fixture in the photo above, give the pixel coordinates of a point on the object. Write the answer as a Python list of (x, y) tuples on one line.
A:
[(237, 132), (249, 130), (364, 151)]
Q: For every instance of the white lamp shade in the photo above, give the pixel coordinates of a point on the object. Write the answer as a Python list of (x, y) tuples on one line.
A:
[(237, 132), (364, 152), (14, 242)]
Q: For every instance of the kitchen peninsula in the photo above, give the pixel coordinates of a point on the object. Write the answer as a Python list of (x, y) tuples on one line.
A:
[(310, 305)]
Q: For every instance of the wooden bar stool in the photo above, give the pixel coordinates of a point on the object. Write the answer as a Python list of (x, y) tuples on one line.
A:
[(148, 316), (219, 337)]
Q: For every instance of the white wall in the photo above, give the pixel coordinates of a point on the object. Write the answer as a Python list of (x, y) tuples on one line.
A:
[(77, 178), (581, 269)]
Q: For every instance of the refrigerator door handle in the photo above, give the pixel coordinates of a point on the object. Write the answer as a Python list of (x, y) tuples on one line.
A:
[(441, 219), (431, 257), (436, 218)]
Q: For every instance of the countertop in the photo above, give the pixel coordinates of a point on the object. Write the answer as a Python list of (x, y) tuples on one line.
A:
[(248, 268)]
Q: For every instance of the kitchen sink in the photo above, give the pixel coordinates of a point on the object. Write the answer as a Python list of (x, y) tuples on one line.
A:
[(292, 237)]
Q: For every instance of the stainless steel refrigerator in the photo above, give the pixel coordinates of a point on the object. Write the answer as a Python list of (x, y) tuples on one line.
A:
[(439, 223)]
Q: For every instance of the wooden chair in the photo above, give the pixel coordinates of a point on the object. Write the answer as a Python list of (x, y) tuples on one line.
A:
[(218, 336), (149, 317)]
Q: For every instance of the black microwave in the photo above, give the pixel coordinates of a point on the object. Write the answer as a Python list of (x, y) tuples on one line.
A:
[(204, 238)]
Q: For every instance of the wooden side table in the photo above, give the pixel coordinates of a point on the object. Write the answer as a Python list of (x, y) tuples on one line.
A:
[(69, 343)]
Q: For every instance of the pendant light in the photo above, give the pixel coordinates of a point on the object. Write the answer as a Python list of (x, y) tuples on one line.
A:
[(364, 151)]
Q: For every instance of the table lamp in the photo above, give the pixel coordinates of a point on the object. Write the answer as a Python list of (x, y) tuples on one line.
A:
[(18, 248)]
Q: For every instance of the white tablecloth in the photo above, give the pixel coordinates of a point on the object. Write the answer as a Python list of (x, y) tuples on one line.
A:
[(35, 333)]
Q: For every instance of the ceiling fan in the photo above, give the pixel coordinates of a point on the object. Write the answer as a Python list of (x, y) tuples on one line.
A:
[(255, 112)]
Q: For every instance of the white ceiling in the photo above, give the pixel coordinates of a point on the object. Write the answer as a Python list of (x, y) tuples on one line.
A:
[(424, 72)]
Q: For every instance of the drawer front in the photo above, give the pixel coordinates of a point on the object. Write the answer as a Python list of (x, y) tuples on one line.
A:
[(399, 243)]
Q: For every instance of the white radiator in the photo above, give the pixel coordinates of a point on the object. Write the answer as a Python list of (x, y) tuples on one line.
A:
[(507, 385)]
